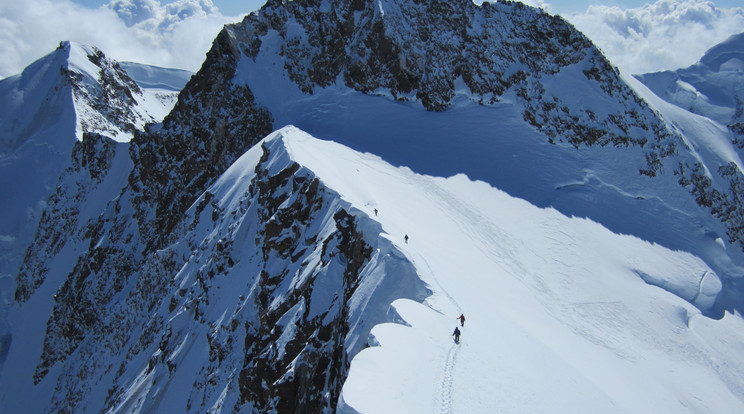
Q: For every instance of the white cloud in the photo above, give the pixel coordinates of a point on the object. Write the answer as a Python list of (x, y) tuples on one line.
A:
[(668, 34), (540, 4), (173, 35)]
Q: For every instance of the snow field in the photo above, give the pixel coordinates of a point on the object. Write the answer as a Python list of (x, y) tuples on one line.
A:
[(558, 317)]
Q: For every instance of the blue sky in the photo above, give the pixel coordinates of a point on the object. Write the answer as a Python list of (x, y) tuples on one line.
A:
[(637, 36)]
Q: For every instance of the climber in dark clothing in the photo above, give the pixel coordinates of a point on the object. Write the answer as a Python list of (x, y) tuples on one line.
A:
[(462, 319), (457, 335)]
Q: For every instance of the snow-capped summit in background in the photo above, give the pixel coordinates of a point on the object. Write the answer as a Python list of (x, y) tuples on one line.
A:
[(713, 87), (46, 111), (487, 160), (48, 107), (79, 84)]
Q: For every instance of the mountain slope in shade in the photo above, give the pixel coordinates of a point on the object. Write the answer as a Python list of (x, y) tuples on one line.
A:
[(47, 108), (507, 77)]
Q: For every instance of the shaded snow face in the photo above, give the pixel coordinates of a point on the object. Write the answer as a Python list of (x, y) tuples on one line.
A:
[(203, 282), (270, 277)]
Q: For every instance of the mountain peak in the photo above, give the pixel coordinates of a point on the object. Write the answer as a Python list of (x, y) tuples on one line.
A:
[(726, 56), (414, 50)]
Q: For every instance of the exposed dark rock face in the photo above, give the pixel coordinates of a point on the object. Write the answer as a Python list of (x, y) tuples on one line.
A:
[(111, 97), (91, 160), (307, 374), (212, 124), (282, 264), (256, 288), (420, 49)]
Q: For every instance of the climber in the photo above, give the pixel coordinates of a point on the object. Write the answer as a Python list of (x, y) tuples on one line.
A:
[(462, 319), (406, 238), (457, 335)]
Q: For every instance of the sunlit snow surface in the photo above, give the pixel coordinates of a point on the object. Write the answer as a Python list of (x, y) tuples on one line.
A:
[(558, 316)]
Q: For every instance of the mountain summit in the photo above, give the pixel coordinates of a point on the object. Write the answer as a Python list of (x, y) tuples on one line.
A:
[(340, 181), (46, 110)]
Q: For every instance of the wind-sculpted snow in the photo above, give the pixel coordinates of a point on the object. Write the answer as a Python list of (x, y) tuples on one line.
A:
[(274, 277), (488, 160)]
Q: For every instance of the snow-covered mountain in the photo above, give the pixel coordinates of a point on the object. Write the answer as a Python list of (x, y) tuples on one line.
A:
[(713, 87), (496, 79), (488, 160), (44, 114), (46, 109)]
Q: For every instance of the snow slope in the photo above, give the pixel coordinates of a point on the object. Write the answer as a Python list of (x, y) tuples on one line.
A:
[(713, 87), (569, 133), (559, 318), (601, 183), (187, 286), (563, 315)]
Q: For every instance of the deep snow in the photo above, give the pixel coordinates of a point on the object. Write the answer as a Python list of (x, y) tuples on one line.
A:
[(559, 318)]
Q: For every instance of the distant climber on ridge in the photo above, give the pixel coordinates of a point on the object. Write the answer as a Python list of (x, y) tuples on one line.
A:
[(462, 319), (457, 335), (406, 238)]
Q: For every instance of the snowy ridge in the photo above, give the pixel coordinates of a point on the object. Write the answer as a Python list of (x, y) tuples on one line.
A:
[(107, 100), (461, 268), (216, 280), (44, 111), (203, 318), (552, 120)]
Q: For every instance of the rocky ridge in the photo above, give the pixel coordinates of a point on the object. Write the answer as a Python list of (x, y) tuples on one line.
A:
[(281, 255)]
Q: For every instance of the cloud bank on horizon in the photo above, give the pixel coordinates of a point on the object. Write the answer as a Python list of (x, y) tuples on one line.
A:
[(176, 34), (666, 34)]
